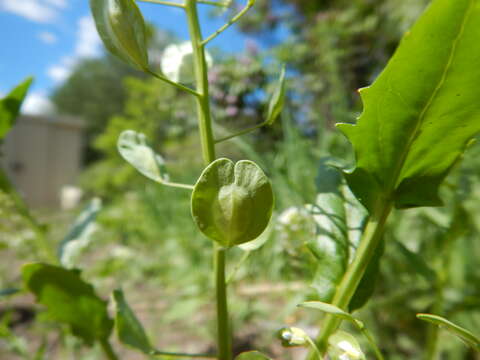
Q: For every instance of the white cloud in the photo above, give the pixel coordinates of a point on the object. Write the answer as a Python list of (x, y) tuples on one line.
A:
[(43, 11), (87, 45), (47, 37), (37, 103)]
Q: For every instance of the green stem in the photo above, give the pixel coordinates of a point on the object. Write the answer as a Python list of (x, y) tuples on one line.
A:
[(232, 21), (242, 132), (370, 239), (173, 83), (223, 329), (108, 350), (161, 2), (208, 151)]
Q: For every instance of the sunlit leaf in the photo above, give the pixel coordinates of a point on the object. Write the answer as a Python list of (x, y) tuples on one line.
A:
[(277, 100), (79, 235), (232, 203), (69, 300), (344, 346), (122, 29), (128, 328), (10, 106), (465, 335), (330, 309), (421, 112), (134, 149)]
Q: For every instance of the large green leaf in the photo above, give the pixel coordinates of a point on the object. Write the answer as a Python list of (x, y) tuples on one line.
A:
[(122, 29), (128, 328), (10, 106), (421, 112), (69, 300), (232, 203)]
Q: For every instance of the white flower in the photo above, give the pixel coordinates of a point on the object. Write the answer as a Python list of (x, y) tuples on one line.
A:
[(177, 62)]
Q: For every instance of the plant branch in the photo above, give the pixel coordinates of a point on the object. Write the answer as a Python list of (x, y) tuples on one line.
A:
[(242, 132), (178, 185), (215, 3), (161, 2), (232, 21), (242, 260), (223, 328), (371, 237), (177, 85)]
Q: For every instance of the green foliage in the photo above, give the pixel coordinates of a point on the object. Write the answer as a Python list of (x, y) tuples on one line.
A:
[(408, 136), (10, 106), (134, 149), (232, 203), (69, 300), (277, 100), (465, 335), (252, 355), (122, 29), (128, 328)]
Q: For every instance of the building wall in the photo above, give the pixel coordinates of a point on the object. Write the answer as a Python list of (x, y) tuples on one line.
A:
[(41, 155)]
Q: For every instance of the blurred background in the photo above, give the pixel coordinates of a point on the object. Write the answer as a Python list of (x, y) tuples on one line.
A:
[(62, 154)]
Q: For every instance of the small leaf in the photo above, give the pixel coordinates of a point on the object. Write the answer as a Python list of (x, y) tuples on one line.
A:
[(344, 346), (416, 262), (128, 328), (252, 355), (122, 29), (421, 112), (293, 336), (134, 149), (10, 106), (69, 300), (331, 309), (232, 203), (79, 235), (468, 337), (277, 100)]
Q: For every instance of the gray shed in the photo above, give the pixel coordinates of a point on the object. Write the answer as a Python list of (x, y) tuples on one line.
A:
[(42, 155)]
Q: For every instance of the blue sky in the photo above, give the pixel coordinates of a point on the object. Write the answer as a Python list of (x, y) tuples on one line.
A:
[(45, 38)]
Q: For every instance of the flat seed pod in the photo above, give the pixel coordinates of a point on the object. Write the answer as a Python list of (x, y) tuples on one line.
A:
[(122, 29), (232, 203)]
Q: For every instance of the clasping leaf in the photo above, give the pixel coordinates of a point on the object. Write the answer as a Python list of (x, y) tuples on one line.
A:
[(232, 203)]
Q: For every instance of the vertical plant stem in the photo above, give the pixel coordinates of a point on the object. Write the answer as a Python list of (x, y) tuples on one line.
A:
[(108, 350), (223, 328), (208, 151), (371, 237)]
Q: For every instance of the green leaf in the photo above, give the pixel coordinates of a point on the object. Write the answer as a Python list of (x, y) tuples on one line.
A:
[(331, 309), (232, 203), (366, 287), (338, 218), (421, 112), (293, 336), (469, 338), (277, 100), (10, 106), (344, 346), (252, 355), (416, 262), (79, 234), (128, 328), (134, 149), (69, 300), (122, 29)]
